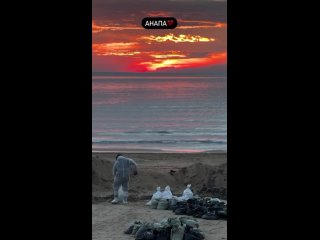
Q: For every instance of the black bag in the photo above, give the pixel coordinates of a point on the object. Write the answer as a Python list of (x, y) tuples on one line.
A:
[(180, 211), (129, 230), (163, 235), (148, 235), (139, 234), (194, 234)]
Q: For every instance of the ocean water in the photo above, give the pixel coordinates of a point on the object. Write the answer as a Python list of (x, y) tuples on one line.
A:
[(171, 114)]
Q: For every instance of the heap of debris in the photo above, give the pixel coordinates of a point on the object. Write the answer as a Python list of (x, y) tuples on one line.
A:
[(178, 228)]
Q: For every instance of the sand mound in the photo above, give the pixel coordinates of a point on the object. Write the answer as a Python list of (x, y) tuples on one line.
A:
[(200, 174), (102, 178), (205, 179)]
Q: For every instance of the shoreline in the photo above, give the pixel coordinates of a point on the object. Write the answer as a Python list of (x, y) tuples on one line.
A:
[(156, 151)]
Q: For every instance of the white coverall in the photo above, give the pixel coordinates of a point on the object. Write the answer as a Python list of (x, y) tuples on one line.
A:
[(121, 172)]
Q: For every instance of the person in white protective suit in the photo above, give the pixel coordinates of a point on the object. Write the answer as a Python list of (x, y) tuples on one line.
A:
[(187, 194), (156, 196), (166, 194), (121, 172)]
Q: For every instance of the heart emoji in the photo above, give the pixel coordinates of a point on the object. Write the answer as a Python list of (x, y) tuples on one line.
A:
[(170, 22)]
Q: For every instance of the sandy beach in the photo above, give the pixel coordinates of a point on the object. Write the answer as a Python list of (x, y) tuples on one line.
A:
[(109, 221), (205, 171)]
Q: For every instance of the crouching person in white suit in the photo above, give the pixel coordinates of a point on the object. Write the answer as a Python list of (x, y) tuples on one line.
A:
[(187, 194)]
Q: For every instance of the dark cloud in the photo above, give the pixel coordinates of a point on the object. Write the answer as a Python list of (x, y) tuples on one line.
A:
[(183, 9)]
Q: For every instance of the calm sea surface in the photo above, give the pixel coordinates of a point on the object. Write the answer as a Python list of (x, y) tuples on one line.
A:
[(172, 114)]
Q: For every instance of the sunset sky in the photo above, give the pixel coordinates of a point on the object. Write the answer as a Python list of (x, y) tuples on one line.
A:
[(121, 44)]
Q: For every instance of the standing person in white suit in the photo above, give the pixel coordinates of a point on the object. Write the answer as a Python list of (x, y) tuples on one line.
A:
[(121, 172)]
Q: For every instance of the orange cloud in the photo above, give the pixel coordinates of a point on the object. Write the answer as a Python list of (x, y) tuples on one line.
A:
[(200, 26), (177, 39), (221, 25), (99, 28), (119, 53), (159, 14), (96, 28), (215, 58), (117, 49), (167, 55), (212, 24)]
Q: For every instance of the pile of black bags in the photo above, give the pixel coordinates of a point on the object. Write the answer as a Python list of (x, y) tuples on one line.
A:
[(178, 228), (206, 208)]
